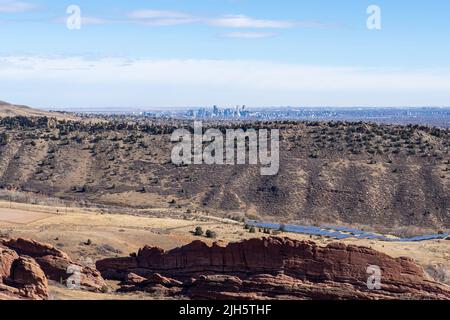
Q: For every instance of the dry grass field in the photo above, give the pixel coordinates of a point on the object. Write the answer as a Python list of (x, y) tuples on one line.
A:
[(18, 216), (113, 235)]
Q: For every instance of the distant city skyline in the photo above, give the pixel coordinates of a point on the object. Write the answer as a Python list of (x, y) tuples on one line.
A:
[(185, 53), (439, 117)]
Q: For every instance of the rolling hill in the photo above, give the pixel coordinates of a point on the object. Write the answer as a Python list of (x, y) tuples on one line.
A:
[(11, 110), (333, 172)]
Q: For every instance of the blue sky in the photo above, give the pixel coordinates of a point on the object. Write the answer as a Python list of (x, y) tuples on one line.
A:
[(173, 53)]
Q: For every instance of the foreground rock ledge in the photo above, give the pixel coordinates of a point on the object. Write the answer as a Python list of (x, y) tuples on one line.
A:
[(27, 265), (270, 268)]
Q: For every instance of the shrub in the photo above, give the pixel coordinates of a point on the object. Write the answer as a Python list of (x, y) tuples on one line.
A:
[(4, 137), (105, 289), (211, 234), (198, 231), (252, 230)]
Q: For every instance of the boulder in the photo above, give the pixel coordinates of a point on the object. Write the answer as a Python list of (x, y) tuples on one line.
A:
[(21, 277), (33, 248), (155, 283), (28, 276), (56, 267), (134, 279), (7, 258), (53, 262)]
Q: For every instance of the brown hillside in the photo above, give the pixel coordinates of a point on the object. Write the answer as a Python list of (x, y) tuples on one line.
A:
[(356, 173), (11, 110)]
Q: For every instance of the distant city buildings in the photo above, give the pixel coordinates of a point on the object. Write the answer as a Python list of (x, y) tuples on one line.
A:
[(436, 116), (239, 112), (427, 115), (216, 112)]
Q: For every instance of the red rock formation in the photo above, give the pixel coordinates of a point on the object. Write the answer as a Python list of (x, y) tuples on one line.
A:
[(155, 283), (21, 277), (56, 269), (27, 275), (274, 268), (51, 262), (33, 248)]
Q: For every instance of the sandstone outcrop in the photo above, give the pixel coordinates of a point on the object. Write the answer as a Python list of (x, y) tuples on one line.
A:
[(25, 266), (271, 268), (21, 277)]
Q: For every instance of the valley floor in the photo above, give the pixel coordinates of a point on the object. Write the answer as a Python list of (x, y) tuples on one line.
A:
[(90, 235)]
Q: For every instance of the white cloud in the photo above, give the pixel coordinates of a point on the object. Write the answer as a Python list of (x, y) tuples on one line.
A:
[(76, 81), (93, 21), (242, 21), (248, 35), (158, 14), (161, 17), (166, 22), (14, 6), (239, 21)]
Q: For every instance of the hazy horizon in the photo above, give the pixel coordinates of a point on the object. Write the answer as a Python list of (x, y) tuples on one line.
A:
[(272, 108)]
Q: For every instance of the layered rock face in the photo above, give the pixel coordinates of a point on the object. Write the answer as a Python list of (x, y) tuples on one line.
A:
[(55, 263), (270, 268), (21, 277), (27, 265)]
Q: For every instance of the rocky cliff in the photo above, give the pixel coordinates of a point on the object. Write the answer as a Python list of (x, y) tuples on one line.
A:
[(21, 277), (27, 265), (270, 268)]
